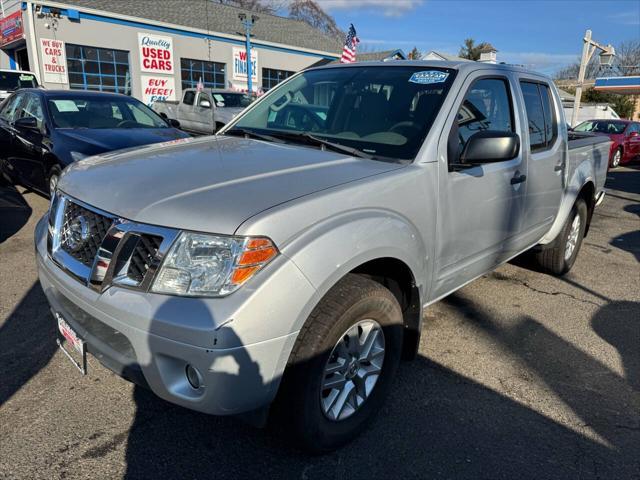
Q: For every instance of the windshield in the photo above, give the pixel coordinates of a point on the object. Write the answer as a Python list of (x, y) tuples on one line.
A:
[(103, 112), (234, 100), (600, 126), (10, 81), (384, 112)]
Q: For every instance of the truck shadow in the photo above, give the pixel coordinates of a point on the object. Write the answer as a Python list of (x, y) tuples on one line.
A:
[(14, 212), (26, 345), (437, 422)]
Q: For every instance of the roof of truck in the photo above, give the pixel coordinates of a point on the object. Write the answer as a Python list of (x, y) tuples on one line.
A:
[(462, 66)]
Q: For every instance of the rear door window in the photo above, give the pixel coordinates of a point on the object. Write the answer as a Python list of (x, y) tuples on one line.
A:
[(189, 97), (541, 115)]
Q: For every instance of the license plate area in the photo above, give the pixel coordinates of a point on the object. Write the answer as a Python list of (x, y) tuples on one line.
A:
[(74, 347)]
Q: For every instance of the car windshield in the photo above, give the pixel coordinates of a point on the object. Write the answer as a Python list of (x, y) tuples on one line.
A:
[(102, 113), (10, 81), (233, 100), (382, 112), (600, 126)]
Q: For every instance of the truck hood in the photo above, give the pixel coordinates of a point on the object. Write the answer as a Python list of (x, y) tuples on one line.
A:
[(209, 184)]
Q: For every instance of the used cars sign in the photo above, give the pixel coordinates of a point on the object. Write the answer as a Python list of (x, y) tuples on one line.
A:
[(156, 53)]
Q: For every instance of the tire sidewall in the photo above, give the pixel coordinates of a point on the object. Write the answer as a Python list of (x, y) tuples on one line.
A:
[(321, 433), (580, 208), (55, 170), (613, 159)]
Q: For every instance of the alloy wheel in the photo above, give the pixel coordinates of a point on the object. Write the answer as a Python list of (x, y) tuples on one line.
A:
[(352, 370), (572, 241)]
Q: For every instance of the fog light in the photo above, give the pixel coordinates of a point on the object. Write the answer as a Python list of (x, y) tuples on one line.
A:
[(193, 376)]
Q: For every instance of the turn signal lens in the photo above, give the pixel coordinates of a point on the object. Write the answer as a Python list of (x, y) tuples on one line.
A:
[(241, 275), (251, 257)]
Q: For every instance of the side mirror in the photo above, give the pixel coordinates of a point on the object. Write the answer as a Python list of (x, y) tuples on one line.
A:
[(204, 104), (490, 146), (633, 134), (26, 123), (173, 122)]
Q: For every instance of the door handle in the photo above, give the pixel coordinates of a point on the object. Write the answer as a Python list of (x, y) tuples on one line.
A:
[(518, 179), (558, 168)]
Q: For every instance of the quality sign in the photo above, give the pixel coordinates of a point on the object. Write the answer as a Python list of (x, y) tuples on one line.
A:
[(156, 53), (11, 28)]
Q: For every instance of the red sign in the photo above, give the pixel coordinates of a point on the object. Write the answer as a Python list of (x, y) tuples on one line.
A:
[(11, 28)]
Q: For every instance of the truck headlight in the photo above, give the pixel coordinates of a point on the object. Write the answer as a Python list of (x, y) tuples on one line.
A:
[(210, 265)]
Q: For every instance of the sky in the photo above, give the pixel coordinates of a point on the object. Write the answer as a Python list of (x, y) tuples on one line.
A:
[(544, 35)]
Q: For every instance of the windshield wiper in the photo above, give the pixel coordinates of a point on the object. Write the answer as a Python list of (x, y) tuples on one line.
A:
[(354, 152), (252, 134)]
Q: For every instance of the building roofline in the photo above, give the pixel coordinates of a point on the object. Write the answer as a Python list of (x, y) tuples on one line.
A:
[(163, 26)]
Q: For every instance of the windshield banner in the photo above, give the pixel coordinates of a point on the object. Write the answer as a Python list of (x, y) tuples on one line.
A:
[(54, 61), (11, 28)]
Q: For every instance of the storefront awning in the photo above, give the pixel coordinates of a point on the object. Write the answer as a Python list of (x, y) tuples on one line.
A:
[(622, 85)]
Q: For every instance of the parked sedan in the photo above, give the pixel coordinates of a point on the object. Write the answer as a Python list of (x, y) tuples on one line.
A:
[(624, 134), (43, 131)]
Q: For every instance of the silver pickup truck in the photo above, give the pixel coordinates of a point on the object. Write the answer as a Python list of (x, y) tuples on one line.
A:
[(288, 259), (203, 111)]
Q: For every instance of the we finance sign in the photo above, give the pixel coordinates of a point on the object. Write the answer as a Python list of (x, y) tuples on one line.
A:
[(156, 53), (240, 67)]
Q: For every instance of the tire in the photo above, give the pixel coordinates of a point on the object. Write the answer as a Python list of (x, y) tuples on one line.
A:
[(351, 305), (616, 158), (52, 178), (558, 258)]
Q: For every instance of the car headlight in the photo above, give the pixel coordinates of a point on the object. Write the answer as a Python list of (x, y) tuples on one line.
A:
[(211, 265), (77, 156)]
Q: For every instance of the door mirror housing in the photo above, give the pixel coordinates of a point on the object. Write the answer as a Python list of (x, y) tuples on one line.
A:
[(490, 146), (205, 104), (26, 123), (633, 134)]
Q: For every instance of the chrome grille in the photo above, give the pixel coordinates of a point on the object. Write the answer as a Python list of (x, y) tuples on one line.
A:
[(100, 249), (97, 226), (142, 257)]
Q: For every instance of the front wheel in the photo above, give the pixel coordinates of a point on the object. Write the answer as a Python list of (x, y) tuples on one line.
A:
[(342, 366), (617, 158), (54, 176), (559, 256)]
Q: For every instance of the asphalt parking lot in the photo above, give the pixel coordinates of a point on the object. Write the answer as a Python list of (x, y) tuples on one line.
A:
[(519, 375)]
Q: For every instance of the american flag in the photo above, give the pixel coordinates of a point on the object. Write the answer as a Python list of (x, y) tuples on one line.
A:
[(350, 44)]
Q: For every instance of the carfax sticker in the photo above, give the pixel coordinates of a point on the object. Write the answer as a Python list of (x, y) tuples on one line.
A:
[(429, 76)]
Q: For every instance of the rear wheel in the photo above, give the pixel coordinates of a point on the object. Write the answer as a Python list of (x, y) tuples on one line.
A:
[(559, 256), (617, 158), (342, 366)]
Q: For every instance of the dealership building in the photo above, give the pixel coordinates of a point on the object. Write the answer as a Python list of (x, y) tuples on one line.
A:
[(154, 49)]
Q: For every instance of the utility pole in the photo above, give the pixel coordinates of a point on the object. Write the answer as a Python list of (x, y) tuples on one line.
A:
[(589, 48), (248, 25)]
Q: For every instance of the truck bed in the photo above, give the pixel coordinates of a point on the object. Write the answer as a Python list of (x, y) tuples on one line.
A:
[(583, 145)]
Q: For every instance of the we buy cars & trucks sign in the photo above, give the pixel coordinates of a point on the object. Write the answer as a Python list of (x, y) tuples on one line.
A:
[(156, 88), (11, 28), (54, 61), (156, 53)]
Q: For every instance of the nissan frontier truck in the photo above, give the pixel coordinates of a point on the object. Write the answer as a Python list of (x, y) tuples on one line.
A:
[(284, 264)]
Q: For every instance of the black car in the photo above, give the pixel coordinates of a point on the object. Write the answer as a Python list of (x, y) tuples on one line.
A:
[(43, 131)]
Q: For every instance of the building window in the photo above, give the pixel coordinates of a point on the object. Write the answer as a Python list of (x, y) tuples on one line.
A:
[(99, 69), (211, 74), (272, 77)]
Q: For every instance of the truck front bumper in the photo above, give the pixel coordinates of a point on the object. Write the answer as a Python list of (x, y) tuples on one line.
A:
[(149, 338)]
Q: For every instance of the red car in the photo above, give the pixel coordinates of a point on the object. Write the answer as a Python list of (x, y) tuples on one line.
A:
[(625, 135)]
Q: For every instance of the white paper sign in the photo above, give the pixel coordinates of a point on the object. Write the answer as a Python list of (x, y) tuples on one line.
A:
[(156, 53), (54, 61), (240, 64), (156, 88)]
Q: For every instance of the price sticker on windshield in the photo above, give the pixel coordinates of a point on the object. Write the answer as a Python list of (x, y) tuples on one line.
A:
[(429, 76)]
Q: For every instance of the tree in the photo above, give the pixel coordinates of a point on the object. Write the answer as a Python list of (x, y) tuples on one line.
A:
[(414, 54), (310, 12), (622, 104), (471, 51)]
